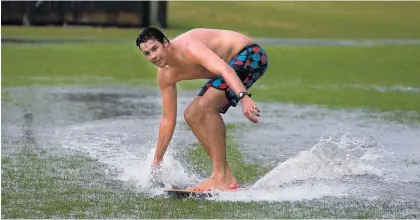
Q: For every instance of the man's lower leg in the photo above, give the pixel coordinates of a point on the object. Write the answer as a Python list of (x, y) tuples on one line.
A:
[(211, 132)]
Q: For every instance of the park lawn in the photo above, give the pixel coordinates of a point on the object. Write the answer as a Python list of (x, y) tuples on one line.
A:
[(344, 20), (330, 76), (347, 77), (335, 77)]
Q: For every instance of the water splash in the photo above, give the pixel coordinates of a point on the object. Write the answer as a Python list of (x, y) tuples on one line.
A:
[(311, 163), (316, 172), (171, 174), (114, 143)]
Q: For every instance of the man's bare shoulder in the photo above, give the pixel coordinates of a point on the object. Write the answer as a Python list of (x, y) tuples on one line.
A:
[(191, 33), (188, 47), (165, 77)]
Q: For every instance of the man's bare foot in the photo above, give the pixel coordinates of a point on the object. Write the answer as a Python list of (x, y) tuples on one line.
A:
[(213, 183)]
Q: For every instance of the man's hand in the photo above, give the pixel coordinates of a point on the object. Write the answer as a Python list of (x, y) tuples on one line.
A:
[(156, 165), (250, 109), (155, 175)]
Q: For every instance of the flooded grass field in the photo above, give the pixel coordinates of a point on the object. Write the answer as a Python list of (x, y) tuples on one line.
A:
[(339, 135), (326, 147), (77, 151)]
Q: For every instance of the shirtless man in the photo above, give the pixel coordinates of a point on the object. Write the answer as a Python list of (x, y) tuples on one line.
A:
[(231, 62)]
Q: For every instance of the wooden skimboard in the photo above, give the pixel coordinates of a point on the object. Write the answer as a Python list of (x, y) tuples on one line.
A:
[(183, 193)]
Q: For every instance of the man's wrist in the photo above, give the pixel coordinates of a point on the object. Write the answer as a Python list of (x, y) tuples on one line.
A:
[(157, 160), (242, 94), (246, 97)]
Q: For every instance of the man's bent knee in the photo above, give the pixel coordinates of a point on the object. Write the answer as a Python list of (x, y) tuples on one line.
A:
[(197, 108), (192, 112)]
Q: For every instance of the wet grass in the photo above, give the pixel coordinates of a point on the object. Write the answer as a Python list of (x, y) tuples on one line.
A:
[(301, 75), (6, 97), (348, 20), (325, 76), (39, 184), (29, 64)]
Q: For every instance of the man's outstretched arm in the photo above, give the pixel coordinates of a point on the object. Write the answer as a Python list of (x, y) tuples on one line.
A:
[(199, 53), (168, 119)]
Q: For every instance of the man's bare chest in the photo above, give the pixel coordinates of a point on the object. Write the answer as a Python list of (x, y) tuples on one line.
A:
[(194, 71)]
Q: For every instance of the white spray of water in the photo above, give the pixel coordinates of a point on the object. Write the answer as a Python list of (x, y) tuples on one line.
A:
[(115, 143), (313, 173), (127, 144), (330, 158), (171, 174)]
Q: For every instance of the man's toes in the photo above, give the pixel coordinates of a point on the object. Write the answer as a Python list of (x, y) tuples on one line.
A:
[(233, 186)]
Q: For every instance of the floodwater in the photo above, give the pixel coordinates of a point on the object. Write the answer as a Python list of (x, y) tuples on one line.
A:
[(313, 153)]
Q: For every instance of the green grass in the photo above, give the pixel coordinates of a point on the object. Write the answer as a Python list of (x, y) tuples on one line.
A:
[(325, 75), (302, 75), (350, 20), (37, 183), (119, 62), (303, 19)]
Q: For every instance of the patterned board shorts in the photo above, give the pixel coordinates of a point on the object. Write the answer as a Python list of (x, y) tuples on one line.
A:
[(250, 64)]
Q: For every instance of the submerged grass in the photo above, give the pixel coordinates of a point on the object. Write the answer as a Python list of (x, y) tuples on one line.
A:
[(38, 184)]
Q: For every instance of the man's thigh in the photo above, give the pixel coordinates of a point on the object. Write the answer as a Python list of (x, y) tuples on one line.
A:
[(211, 99), (214, 94)]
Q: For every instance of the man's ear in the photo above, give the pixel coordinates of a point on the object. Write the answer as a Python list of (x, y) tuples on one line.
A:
[(165, 43)]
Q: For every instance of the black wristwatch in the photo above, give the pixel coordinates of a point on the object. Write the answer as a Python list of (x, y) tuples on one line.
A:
[(242, 94)]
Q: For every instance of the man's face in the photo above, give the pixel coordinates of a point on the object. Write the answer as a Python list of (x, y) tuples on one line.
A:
[(155, 52)]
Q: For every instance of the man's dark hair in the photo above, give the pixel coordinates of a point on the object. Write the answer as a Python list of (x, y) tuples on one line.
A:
[(150, 33)]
